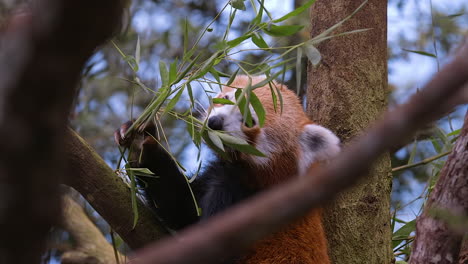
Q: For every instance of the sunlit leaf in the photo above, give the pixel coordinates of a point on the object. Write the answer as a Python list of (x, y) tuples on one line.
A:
[(313, 54), (216, 140)]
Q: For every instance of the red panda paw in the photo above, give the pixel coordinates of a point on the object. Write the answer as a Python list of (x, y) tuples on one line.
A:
[(317, 144), (119, 135)]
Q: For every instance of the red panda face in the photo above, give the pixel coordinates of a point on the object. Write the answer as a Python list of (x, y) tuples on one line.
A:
[(289, 139)]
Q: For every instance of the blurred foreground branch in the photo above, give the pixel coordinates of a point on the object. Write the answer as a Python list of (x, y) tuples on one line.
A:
[(42, 53), (436, 240), (108, 194), (234, 230)]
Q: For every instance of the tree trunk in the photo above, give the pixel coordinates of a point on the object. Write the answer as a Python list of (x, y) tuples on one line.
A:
[(436, 241), (345, 94), (42, 55)]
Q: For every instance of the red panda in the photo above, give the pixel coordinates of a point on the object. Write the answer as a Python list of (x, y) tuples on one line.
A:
[(291, 143)]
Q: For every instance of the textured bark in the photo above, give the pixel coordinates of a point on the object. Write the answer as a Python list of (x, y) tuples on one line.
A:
[(436, 241), (345, 94), (108, 194), (90, 244), (41, 57)]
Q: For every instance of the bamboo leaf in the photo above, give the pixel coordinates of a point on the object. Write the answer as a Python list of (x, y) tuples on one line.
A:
[(233, 77), (238, 4), (281, 31), (403, 233), (164, 73), (137, 51), (258, 40), (174, 100), (296, 11), (216, 140), (223, 101), (313, 54), (258, 108), (237, 41), (421, 53), (173, 72)]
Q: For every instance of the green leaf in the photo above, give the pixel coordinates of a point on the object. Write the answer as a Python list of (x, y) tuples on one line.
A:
[(216, 140), (238, 4), (207, 65), (237, 41), (141, 170), (248, 149), (244, 107), (190, 93), (258, 108), (240, 145), (403, 233), (421, 53), (273, 97), (281, 31), (164, 73), (295, 12), (258, 18), (174, 100), (233, 77), (454, 133), (455, 15), (187, 69), (312, 53), (222, 101), (173, 71), (258, 40), (228, 139)]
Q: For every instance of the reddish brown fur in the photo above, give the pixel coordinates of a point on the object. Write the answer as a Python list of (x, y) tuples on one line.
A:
[(304, 241)]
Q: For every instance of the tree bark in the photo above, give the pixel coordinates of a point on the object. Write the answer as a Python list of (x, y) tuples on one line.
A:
[(41, 56), (346, 93), (90, 244), (436, 241), (108, 194)]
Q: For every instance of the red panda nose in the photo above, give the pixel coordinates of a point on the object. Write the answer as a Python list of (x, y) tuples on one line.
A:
[(216, 122)]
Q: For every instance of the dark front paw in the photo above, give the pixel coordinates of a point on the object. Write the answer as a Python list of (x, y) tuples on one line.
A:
[(119, 135)]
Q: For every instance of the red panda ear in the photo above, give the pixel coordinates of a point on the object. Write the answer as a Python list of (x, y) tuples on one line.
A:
[(316, 144)]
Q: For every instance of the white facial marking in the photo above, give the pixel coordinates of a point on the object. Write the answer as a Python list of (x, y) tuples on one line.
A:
[(317, 144)]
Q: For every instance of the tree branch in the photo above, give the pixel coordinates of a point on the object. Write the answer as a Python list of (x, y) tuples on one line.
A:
[(91, 245), (108, 194), (41, 56), (234, 230), (436, 241)]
